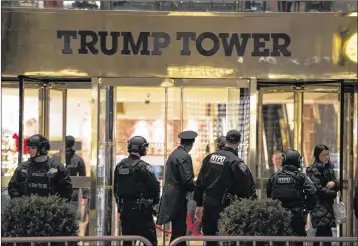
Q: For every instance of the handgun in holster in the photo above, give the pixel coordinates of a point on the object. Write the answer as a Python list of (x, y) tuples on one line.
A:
[(144, 203), (227, 198)]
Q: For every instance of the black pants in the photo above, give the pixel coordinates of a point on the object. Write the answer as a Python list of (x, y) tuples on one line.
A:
[(179, 223), (298, 226), (212, 209), (135, 222), (323, 232)]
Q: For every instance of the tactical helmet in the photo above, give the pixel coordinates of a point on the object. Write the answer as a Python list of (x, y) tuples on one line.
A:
[(220, 142), (292, 157), (138, 144), (39, 141), (70, 142)]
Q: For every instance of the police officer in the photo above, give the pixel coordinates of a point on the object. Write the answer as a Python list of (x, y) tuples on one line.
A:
[(294, 189), (136, 190), (178, 181), (220, 143), (223, 176), (75, 167), (40, 175)]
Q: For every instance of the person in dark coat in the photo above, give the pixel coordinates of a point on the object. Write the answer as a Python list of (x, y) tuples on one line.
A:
[(323, 177), (178, 181), (355, 201), (75, 167)]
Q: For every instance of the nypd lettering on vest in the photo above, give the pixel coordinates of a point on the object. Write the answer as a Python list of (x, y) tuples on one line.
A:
[(218, 159), (285, 180), (123, 171)]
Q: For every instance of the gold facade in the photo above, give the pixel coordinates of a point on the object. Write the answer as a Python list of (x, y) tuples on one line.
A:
[(32, 44)]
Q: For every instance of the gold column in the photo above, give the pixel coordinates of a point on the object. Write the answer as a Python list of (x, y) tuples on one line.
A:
[(252, 153), (64, 125), (355, 148), (115, 224), (260, 131), (95, 104), (298, 116), (44, 110)]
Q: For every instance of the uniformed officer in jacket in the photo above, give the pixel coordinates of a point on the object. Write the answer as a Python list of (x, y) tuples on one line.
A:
[(40, 175), (75, 167), (136, 190), (178, 181), (294, 189), (223, 177)]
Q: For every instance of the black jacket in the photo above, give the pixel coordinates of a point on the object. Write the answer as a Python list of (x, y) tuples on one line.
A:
[(223, 171), (75, 167), (178, 181), (322, 214), (138, 183), (355, 201), (305, 188), (58, 182)]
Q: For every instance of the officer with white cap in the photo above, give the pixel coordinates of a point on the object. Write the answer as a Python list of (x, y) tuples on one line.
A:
[(178, 181)]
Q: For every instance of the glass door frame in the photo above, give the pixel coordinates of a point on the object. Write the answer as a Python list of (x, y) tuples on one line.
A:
[(110, 85), (299, 88), (59, 83)]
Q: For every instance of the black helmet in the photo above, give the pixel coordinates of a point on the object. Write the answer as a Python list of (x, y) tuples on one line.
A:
[(220, 142), (70, 142), (292, 157), (138, 144), (39, 141)]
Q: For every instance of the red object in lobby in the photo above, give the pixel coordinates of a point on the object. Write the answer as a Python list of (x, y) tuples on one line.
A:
[(24, 149), (53, 4)]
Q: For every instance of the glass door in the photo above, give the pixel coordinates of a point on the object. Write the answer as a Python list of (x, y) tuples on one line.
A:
[(54, 108), (304, 115), (159, 109)]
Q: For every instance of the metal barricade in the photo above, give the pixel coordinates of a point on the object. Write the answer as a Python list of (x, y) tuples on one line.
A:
[(252, 240), (94, 240)]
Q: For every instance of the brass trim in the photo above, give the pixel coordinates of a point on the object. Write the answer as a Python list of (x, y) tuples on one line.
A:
[(252, 156)]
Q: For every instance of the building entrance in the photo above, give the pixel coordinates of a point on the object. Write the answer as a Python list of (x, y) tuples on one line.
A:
[(51, 107), (301, 115), (103, 113)]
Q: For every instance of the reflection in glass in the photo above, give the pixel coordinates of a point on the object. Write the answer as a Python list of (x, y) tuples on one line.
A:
[(277, 128), (320, 119)]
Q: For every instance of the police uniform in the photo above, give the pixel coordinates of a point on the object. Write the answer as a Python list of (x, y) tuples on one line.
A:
[(75, 167), (295, 191), (136, 190), (223, 177), (43, 178), (178, 181)]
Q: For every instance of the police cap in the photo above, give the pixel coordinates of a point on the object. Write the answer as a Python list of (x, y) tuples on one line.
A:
[(188, 135), (233, 136)]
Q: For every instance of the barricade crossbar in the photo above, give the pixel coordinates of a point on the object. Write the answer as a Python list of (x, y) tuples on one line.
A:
[(76, 239), (255, 239)]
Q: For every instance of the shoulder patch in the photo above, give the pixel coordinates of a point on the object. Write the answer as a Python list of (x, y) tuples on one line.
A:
[(242, 166), (52, 170), (149, 168)]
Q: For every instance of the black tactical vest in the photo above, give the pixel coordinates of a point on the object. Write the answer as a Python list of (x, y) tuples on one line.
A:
[(129, 186), (38, 181), (286, 187)]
